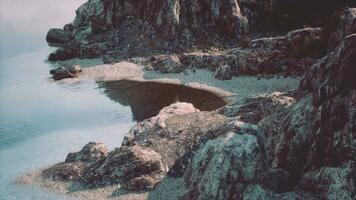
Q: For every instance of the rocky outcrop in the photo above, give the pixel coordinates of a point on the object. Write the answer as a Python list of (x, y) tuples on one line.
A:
[(139, 26), (63, 73), (253, 110), (290, 54)]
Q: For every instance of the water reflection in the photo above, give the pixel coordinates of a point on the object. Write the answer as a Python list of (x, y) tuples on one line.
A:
[(147, 98)]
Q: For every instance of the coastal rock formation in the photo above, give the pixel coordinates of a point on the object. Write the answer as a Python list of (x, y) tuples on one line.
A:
[(291, 54), (312, 141), (141, 26)]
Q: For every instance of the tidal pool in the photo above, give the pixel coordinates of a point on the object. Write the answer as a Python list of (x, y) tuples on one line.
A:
[(147, 98)]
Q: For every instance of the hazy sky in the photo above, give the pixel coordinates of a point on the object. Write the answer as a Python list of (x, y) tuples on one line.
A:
[(24, 23)]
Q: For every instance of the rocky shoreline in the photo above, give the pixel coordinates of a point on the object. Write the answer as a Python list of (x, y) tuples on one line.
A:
[(295, 144)]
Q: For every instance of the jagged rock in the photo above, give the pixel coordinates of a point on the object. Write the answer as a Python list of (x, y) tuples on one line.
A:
[(332, 84), (91, 152), (224, 72), (77, 163), (288, 135), (222, 167), (253, 110), (57, 36), (134, 166), (168, 64)]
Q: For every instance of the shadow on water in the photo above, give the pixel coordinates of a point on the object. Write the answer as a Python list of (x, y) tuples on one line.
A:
[(148, 98)]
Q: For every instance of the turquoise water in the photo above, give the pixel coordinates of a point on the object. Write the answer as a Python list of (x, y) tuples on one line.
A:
[(41, 120)]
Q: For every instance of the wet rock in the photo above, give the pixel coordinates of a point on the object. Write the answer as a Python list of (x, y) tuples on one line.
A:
[(168, 64), (57, 36), (223, 73), (134, 166)]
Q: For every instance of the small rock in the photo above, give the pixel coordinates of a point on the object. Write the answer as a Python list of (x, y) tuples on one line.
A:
[(224, 72)]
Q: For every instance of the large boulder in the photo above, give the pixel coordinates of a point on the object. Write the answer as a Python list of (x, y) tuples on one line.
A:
[(174, 133), (222, 167)]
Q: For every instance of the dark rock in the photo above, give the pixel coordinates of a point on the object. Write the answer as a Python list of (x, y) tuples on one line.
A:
[(76, 163), (64, 73), (346, 26), (65, 171), (253, 110), (134, 166), (70, 50), (168, 64), (57, 36), (224, 72), (330, 182)]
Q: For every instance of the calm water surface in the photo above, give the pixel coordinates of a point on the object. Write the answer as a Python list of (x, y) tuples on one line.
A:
[(41, 120)]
